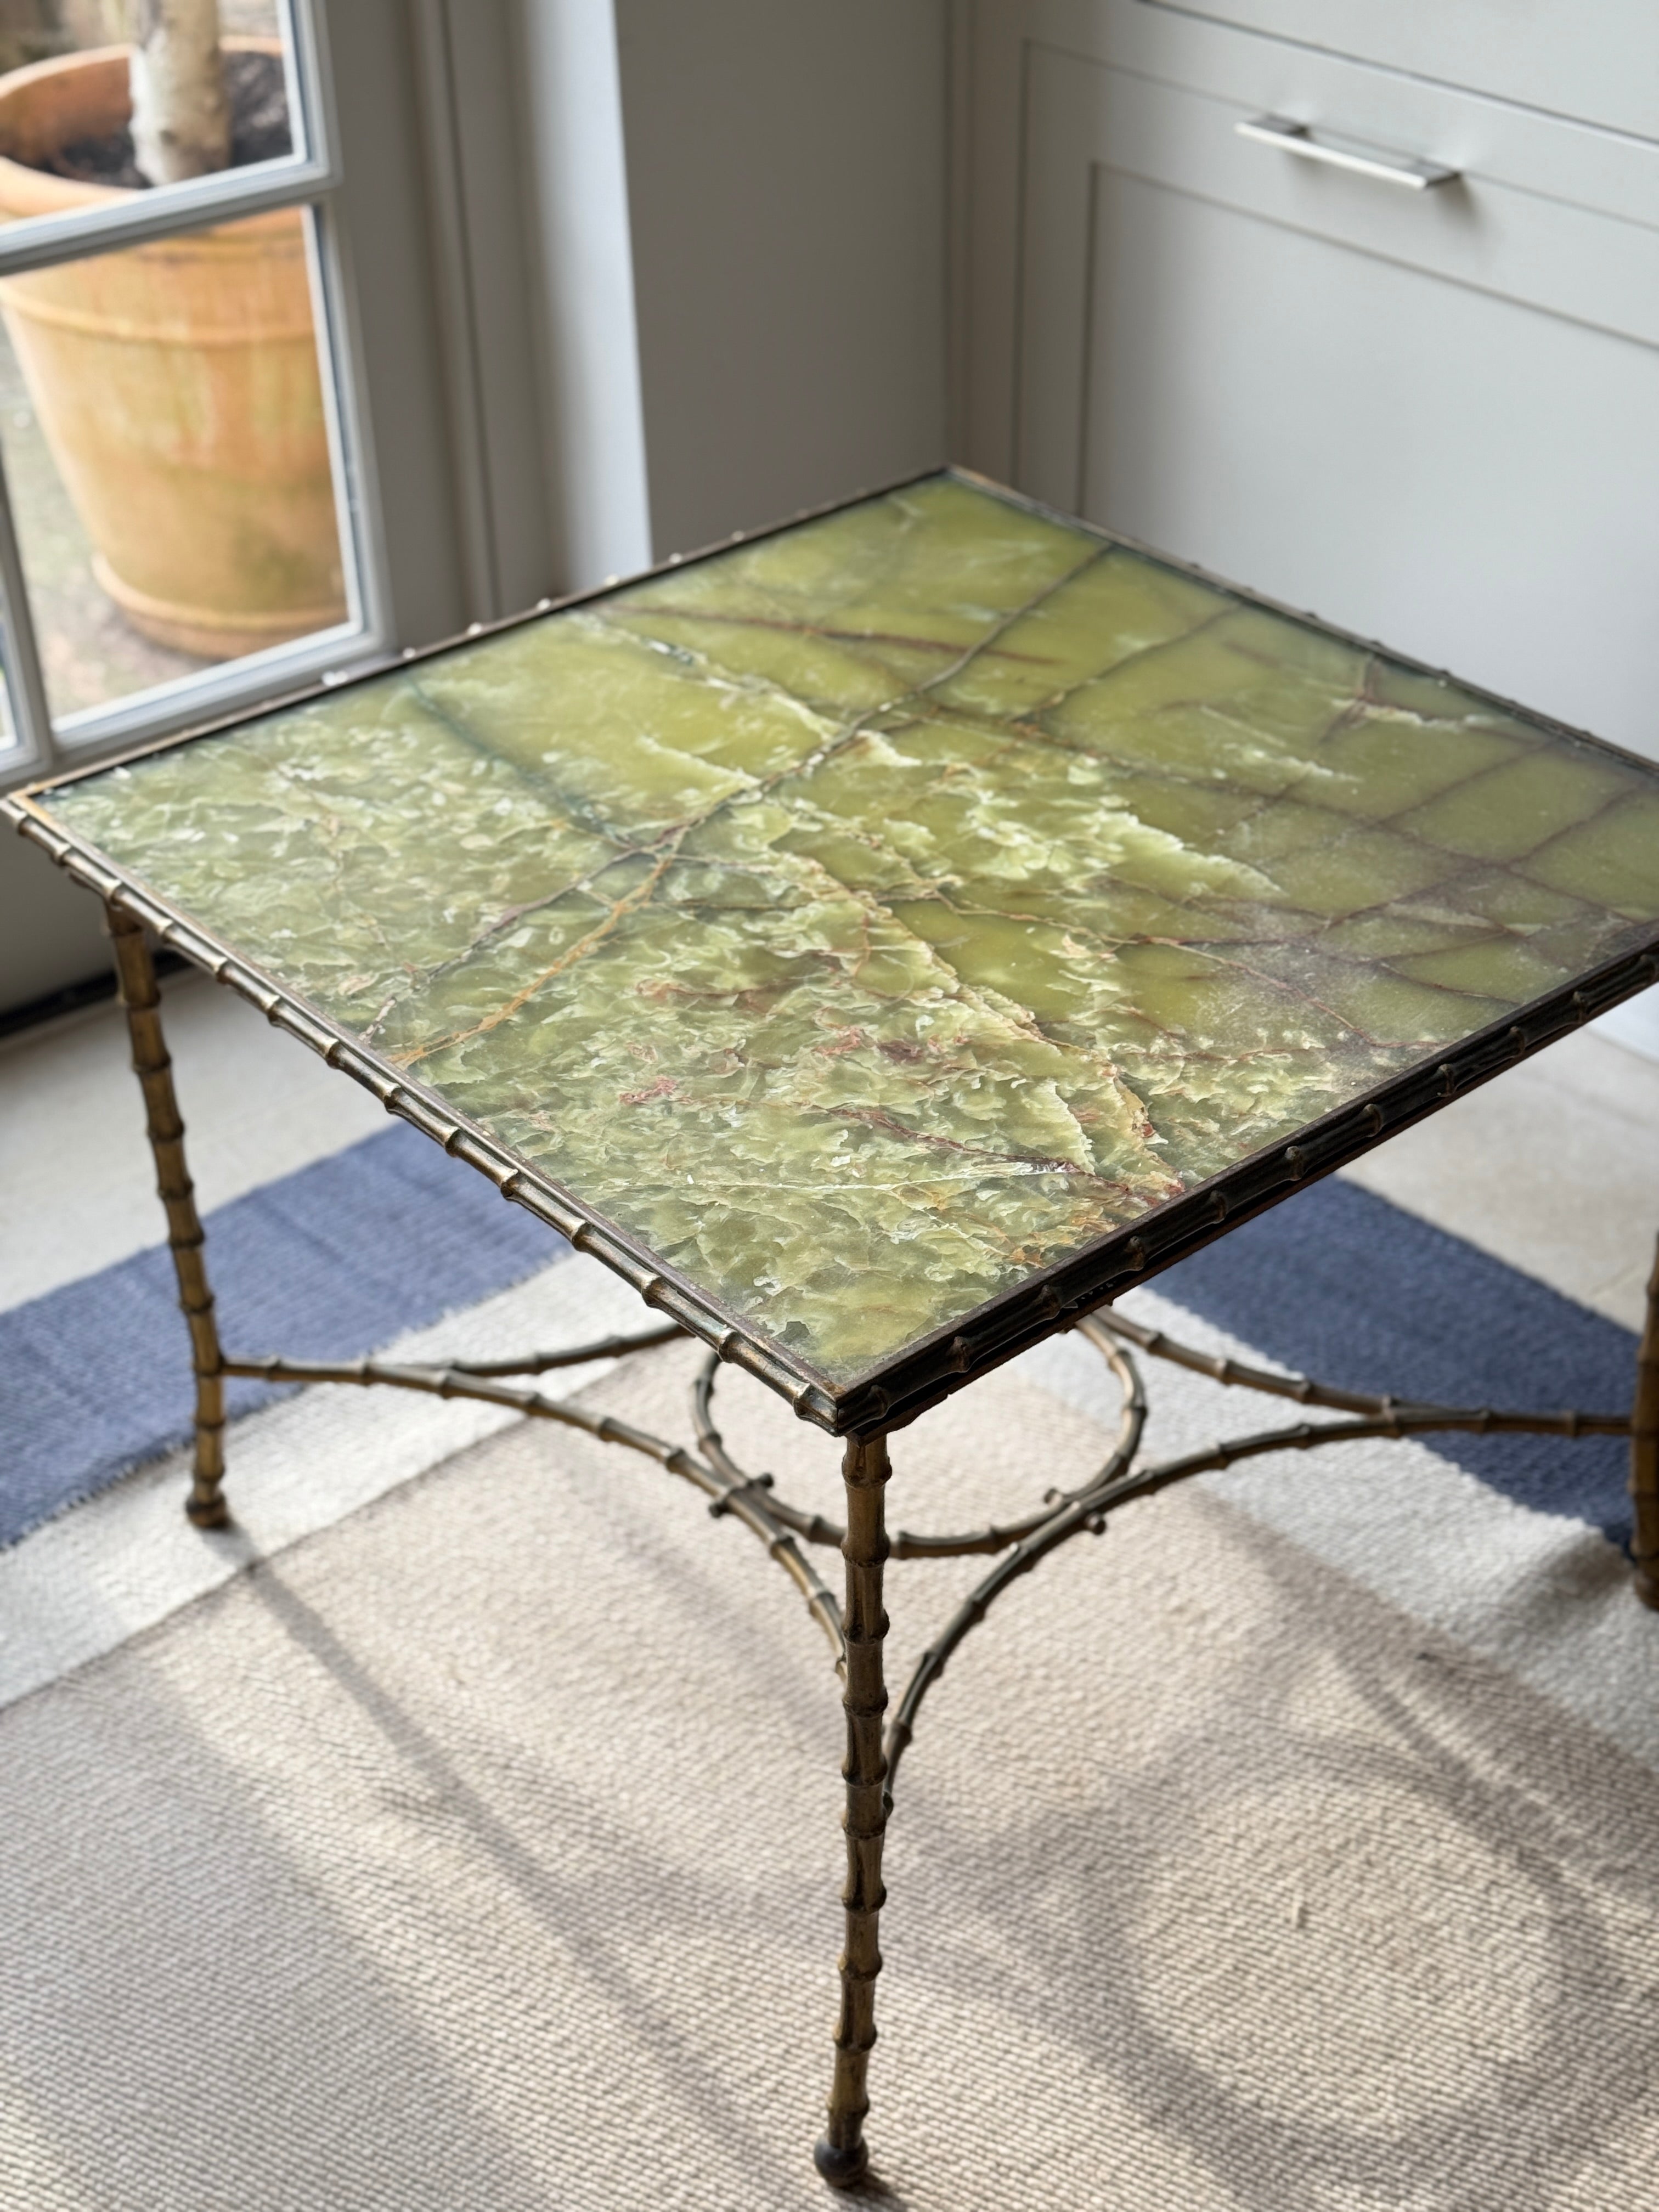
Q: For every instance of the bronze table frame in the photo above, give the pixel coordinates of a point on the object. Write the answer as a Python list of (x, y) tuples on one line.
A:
[(1073, 1294)]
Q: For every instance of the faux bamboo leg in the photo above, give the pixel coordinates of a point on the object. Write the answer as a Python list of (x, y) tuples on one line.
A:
[(154, 1068), (1644, 1454), (841, 2156)]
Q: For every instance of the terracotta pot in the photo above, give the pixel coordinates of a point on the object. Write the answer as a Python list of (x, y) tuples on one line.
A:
[(178, 387)]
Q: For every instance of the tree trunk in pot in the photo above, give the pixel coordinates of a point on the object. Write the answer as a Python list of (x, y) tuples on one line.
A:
[(180, 115)]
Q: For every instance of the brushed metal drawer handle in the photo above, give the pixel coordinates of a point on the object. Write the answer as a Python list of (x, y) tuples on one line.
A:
[(1390, 168)]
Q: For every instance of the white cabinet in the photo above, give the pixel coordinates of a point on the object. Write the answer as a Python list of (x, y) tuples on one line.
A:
[(1432, 416), (1429, 415)]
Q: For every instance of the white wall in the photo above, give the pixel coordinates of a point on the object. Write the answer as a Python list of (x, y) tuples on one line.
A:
[(51, 933), (739, 213), (786, 179), (594, 458)]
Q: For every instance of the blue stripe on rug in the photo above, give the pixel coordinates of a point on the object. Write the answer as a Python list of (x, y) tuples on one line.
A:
[(389, 1236), (337, 1259), (1340, 1284)]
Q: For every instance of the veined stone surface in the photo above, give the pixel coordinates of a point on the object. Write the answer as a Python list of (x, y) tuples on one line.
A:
[(865, 917)]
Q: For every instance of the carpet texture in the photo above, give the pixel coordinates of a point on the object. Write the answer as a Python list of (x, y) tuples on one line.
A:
[(481, 1851)]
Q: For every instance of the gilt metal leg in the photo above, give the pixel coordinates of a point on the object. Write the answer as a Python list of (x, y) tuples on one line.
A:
[(841, 2156), (1644, 1454), (154, 1068)]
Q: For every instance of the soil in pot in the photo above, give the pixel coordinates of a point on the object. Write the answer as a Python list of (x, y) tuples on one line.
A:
[(256, 85), (177, 382)]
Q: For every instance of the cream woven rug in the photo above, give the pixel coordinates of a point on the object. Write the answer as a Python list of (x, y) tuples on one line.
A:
[(480, 1851)]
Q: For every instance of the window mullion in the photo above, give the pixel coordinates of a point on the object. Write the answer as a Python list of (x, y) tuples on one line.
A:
[(457, 321), (351, 446), (227, 198), (25, 685)]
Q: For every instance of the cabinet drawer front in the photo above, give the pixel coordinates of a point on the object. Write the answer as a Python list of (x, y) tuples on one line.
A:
[(1490, 140), (1428, 415), (1484, 227), (1599, 64)]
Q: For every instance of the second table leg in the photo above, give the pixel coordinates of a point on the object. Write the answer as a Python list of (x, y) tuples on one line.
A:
[(152, 1066), (1644, 1454), (842, 2155)]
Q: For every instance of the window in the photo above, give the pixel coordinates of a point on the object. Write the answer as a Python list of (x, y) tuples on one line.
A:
[(181, 529)]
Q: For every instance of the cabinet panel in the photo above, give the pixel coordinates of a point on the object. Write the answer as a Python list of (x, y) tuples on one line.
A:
[(1430, 423), (1601, 65), (1491, 140), (1416, 460)]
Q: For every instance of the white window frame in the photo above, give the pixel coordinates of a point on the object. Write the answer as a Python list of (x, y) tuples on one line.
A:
[(310, 179)]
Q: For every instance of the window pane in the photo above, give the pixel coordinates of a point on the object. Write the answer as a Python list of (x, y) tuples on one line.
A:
[(165, 436), (86, 118)]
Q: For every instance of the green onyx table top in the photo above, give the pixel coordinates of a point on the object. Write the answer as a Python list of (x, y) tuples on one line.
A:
[(866, 920)]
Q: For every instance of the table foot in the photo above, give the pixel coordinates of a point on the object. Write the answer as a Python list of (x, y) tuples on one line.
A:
[(841, 2169)]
